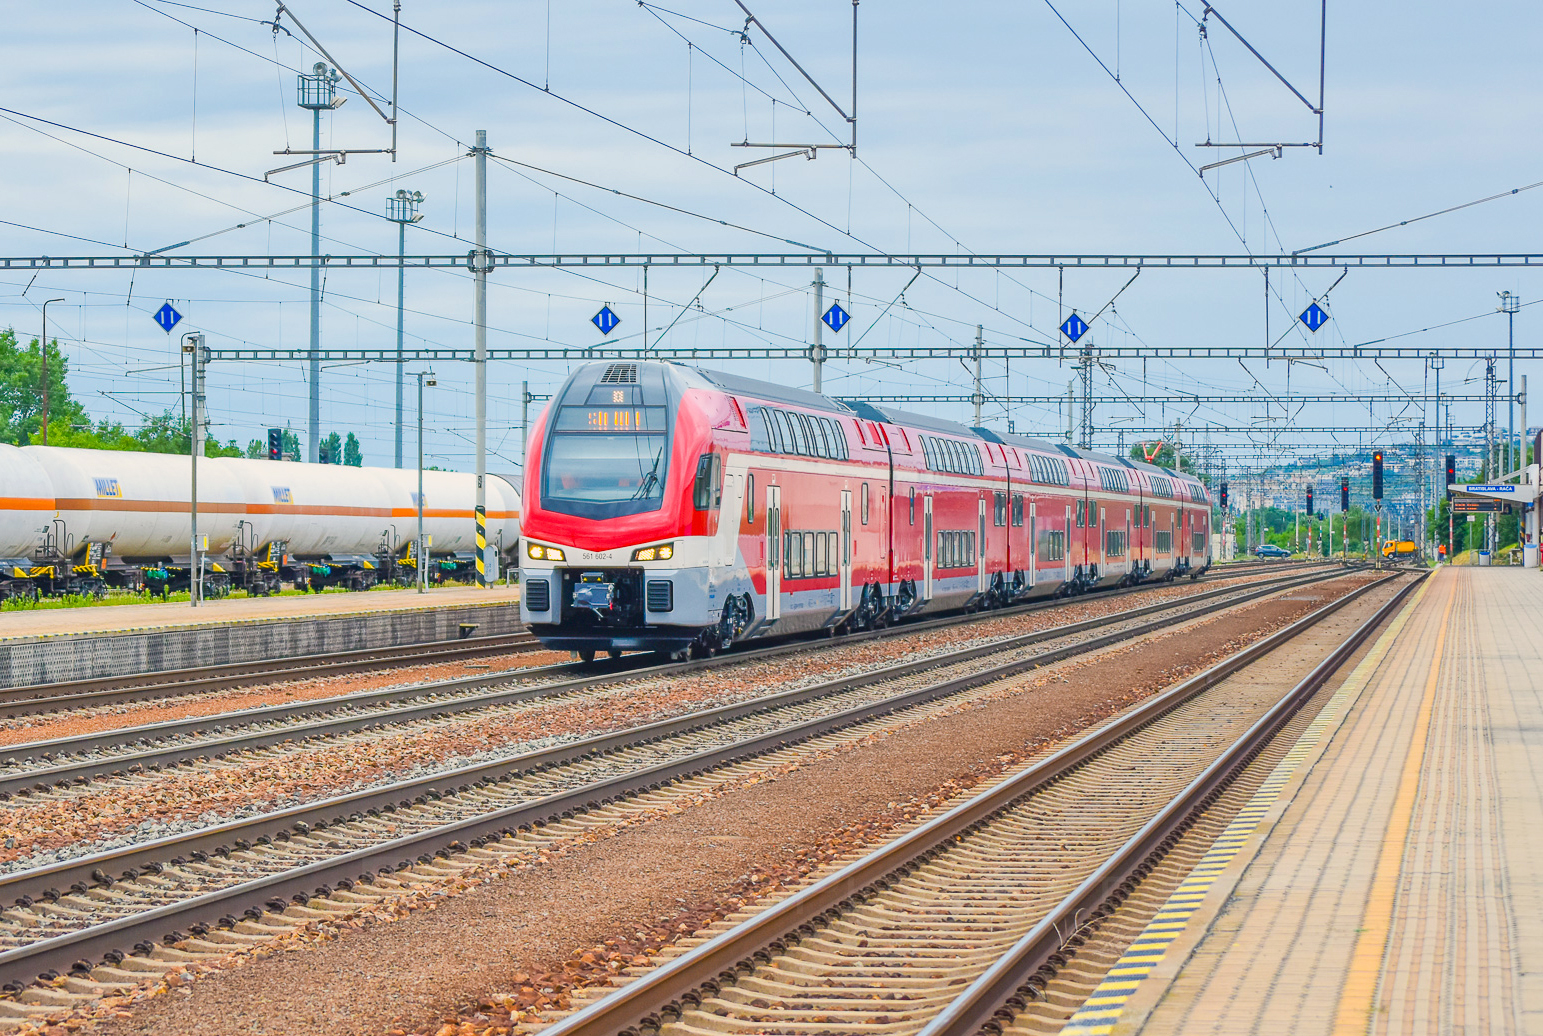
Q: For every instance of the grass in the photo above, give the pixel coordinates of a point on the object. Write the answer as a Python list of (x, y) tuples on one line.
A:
[(121, 597)]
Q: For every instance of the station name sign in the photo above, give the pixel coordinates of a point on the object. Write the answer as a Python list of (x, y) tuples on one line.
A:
[(1491, 489)]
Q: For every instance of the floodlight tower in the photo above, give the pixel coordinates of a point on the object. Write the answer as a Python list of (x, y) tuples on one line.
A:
[(317, 92), (401, 210)]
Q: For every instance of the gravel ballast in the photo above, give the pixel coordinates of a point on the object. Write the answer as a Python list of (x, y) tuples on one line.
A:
[(451, 965)]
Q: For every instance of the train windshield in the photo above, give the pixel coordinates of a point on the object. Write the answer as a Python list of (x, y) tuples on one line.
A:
[(606, 461)]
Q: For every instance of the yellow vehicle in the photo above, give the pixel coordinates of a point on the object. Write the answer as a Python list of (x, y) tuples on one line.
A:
[(1398, 548)]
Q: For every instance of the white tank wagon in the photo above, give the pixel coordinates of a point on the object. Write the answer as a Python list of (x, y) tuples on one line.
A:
[(26, 519), (124, 517)]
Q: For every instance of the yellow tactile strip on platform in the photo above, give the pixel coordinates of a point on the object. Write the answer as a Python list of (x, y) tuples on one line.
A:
[(1101, 1011)]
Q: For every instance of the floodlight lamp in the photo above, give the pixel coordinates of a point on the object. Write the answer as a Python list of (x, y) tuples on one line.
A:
[(431, 383)]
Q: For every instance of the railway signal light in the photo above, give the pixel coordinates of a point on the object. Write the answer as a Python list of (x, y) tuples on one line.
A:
[(275, 444), (1224, 496), (1377, 475), (1344, 493), (325, 454), (1310, 500), (1451, 473)]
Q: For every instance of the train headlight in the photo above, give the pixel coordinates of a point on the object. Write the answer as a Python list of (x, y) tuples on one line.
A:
[(536, 552), (662, 552)]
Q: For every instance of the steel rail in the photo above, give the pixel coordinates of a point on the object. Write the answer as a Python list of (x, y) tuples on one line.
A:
[(112, 690), (30, 699), (986, 1000), (76, 949), (638, 1006), (73, 771)]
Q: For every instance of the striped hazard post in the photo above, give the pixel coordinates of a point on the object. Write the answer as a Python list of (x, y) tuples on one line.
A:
[(482, 546)]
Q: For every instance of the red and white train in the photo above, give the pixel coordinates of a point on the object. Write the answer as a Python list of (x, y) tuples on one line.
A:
[(675, 509)]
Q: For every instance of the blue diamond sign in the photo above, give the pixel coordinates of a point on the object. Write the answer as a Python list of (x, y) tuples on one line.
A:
[(605, 320), (1075, 327), (1314, 317), (167, 317), (836, 317)]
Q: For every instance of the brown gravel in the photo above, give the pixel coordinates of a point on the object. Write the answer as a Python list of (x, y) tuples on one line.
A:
[(314, 771), (70, 724), (25, 729), (459, 965)]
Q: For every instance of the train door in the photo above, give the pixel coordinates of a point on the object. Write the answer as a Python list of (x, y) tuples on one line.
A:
[(980, 549), (846, 549), (927, 547), (1130, 558), (1033, 543), (1066, 555), (773, 553)]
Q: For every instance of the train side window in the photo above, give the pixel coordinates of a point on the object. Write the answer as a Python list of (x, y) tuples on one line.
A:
[(865, 503), (789, 433), (750, 499), (759, 440), (999, 508), (1082, 513), (801, 434), (774, 431), (823, 434), (809, 566), (812, 432), (840, 436), (913, 505), (1018, 510), (821, 554), (702, 492)]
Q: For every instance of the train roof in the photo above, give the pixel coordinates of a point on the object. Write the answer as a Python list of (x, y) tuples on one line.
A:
[(767, 390), (1045, 446), (888, 415)]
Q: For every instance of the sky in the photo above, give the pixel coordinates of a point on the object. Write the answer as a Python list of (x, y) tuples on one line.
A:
[(985, 127)]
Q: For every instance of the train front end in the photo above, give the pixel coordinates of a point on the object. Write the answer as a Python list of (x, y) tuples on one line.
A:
[(615, 556)]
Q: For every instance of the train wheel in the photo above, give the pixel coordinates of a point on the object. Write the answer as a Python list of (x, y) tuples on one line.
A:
[(614, 652), (587, 655)]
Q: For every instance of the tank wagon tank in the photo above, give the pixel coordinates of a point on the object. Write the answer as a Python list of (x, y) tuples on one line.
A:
[(78, 521)]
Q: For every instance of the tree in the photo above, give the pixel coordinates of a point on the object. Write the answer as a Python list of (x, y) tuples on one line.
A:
[(21, 391), (353, 455), (332, 446), (1163, 458)]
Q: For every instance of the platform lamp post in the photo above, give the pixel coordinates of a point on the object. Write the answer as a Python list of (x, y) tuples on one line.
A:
[(424, 378), (45, 369), (317, 92), (1510, 304), (401, 210)]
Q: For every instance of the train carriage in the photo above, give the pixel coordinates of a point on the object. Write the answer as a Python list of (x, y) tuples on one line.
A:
[(676, 509)]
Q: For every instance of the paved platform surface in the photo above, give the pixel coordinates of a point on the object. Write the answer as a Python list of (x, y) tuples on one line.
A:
[(1393, 881), (170, 615)]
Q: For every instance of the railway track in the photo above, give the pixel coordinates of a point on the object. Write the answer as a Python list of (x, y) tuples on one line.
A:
[(190, 895), (118, 690), (71, 762), (110, 691), (963, 923)]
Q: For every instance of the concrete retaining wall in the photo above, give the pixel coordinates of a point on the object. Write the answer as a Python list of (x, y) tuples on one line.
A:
[(91, 655)]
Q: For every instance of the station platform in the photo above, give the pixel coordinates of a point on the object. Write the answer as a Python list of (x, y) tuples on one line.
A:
[(50, 645), (1388, 876)]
